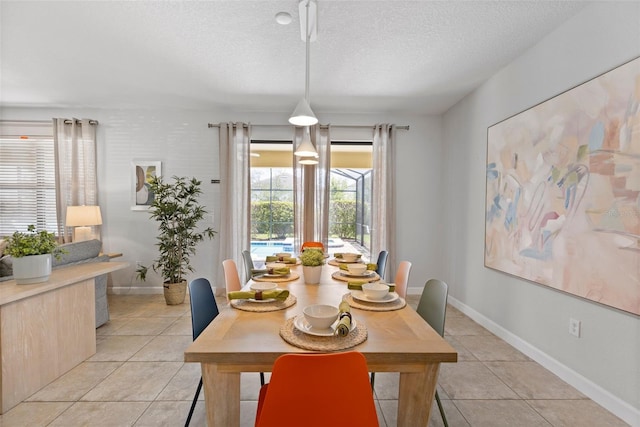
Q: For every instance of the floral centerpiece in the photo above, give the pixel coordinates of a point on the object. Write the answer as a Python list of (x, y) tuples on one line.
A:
[(312, 260), (312, 257)]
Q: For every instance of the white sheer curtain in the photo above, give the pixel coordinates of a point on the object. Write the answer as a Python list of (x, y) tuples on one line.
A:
[(235, 194), (311, 189), (383, 213), (76, 171)]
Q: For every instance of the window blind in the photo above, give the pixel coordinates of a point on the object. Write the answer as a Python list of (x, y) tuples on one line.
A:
[(27, 179)]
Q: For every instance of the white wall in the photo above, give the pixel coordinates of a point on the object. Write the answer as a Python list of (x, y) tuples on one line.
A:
[(187, 147), (605, 361)]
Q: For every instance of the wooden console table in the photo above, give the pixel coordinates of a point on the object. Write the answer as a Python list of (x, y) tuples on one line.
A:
[(47, 328)]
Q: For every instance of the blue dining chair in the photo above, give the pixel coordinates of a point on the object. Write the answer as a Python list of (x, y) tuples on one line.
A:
[(432, 307), (382, 264), (203, 310)]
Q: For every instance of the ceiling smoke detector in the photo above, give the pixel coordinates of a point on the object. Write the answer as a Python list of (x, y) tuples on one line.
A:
[(283, 18)]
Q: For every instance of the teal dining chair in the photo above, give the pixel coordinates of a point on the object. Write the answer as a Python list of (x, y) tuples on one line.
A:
[(432, 307)]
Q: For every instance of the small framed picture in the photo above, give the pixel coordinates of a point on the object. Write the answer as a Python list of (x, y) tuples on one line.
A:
[(142, 172)]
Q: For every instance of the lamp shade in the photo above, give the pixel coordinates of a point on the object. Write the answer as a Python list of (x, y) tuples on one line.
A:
[(83, 216), (303, 115), (306, 148), (309, 161)]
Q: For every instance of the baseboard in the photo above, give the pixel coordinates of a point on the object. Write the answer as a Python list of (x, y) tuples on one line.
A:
[(414, 290), (152, 290), (604, 398), (135, 290)]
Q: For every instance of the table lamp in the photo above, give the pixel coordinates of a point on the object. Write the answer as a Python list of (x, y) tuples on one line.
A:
[(82, 218)]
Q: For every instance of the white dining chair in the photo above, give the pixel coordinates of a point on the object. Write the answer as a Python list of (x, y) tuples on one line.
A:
[(231, 276), (402, 278), (232, 284)]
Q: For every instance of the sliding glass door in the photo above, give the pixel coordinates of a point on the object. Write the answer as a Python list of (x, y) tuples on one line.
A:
[(272, 207)]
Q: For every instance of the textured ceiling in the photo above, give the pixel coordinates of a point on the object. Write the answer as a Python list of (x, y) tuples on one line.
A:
[(370, 56)]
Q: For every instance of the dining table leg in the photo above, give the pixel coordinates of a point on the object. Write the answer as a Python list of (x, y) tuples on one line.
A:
[(221, 395), (415, 396)]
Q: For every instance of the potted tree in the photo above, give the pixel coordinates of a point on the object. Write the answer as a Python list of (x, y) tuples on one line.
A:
[(312, 260), (31, 253), (176, 208)]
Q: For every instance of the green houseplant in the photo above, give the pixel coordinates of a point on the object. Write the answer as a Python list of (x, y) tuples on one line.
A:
[(312, 261), (177, 210), (32, 252)]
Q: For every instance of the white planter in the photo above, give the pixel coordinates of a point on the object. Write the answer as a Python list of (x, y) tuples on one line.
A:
[(312, 274), (32, 269)]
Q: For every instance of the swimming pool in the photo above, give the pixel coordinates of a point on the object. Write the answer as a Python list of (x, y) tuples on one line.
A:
[(261, 249)]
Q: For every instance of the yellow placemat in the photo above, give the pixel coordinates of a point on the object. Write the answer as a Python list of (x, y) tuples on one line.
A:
[(372, 306), (339, 276), (247, 305), (288, 278), (297, 338)]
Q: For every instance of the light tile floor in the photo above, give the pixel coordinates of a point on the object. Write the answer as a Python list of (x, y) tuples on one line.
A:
[(137, 378)]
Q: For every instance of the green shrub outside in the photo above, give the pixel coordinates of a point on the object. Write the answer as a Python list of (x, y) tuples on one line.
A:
[(279, 216), (342, 216)]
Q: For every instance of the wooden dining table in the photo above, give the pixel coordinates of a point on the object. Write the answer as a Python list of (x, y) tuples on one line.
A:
[(240, 341)]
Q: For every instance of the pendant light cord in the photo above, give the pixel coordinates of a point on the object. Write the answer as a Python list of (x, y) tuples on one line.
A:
[(308, 41)]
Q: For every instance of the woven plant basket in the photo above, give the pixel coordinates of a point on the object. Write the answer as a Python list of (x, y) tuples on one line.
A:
[(174, 293)]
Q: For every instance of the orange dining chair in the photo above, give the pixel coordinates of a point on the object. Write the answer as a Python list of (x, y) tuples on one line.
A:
[(313, 390), (232, 284), (318, 245)]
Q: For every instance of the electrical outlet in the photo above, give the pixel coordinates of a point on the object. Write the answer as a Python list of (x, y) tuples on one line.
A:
[(574, 327)]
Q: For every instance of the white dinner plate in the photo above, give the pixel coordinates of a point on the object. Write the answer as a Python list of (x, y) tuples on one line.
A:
[(301, 324), (361, 296), (367, 273), (263, 286), (340, 260), (273, 276), (261, 300)]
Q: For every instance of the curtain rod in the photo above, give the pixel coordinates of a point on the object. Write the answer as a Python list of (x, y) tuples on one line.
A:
[(406, 127), (48, 122)]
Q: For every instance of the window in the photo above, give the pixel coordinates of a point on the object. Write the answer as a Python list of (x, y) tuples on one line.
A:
[(271, 191), (27, 177)]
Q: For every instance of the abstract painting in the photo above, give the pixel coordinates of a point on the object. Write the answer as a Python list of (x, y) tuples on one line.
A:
[(563, 191), (142, 171)]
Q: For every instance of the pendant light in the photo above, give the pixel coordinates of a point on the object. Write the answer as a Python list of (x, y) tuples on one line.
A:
[(303, 115), (306, 150)]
